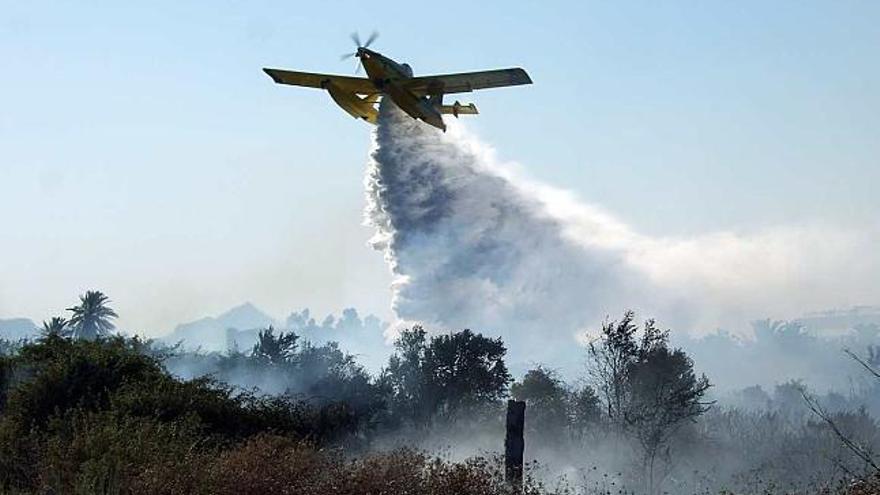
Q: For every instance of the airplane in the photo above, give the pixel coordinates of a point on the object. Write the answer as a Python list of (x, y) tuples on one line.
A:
[(420, 97)]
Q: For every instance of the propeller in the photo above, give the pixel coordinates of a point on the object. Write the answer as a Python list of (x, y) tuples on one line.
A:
[(356, 38)]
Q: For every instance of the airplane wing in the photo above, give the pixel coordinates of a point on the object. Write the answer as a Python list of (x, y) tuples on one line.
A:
[(358, 85), (467, 81)]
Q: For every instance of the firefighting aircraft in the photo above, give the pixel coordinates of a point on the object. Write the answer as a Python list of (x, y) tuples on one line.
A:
[(420, 97)]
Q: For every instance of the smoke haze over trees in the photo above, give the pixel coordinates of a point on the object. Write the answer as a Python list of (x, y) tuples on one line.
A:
[(637, 417)]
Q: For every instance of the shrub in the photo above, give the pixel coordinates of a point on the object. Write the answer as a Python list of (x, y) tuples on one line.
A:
[(86, 416), (278, 465)]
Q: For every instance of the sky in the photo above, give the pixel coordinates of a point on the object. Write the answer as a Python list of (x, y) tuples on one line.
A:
[(144, 153)]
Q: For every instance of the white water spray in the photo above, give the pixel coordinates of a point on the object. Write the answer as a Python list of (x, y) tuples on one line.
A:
[(472, 245)]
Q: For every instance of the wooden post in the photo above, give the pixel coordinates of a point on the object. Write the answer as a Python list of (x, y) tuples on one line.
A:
[(514, 444)]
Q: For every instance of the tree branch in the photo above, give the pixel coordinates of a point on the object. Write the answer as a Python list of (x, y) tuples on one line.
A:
[(863, 363), (852, 446)]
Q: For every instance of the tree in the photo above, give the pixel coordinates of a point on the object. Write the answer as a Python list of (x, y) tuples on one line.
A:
[(327, 375), (854, 446), (466, 369), (585, 409), (92, 318), (443, 375), (55, 326), (788, 399), (609, 358), (547, 399), (405, 378), (665, 393), (649, 389), (272, 349)]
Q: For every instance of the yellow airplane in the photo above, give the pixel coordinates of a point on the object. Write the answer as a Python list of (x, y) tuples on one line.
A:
[(420, 97)]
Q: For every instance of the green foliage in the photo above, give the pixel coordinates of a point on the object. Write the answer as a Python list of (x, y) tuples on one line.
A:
[(586, 409), (56, 325), (547, 399), (92, 317), (282, 365), (103, 416), (642, 379), (466, 369), (649, 390), (103, 452), (272, 349), (439, 377), (555, 410), (79, 413), (61, 374), (664, 392)]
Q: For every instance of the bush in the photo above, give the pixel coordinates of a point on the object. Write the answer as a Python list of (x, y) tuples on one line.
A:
[(104, 416), (103, 452), (86, 416), (272, 464)]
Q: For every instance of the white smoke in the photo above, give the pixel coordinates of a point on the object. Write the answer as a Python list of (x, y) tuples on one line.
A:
[(472, 244)]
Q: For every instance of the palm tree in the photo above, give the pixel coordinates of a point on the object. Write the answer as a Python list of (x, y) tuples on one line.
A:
[(91, 319), (55, 326)]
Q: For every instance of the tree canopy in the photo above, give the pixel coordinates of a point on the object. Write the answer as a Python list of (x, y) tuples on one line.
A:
[(92, 318), (439, 376), (649, 389)]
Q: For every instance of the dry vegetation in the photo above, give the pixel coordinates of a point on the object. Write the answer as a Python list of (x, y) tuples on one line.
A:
[(103, 415), (273, 464)]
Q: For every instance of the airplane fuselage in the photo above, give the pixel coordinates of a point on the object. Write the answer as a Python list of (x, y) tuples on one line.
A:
[(387, 75)]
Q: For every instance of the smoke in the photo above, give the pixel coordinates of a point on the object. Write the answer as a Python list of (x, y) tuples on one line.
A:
[(472, 244)]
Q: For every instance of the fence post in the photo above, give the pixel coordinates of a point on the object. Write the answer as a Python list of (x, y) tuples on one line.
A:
[(514, 444)]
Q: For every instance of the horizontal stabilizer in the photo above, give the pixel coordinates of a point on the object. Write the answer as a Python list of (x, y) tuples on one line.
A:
[(459, 109)]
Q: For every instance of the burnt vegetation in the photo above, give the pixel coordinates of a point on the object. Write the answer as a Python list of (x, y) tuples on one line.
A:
[(85, 411)]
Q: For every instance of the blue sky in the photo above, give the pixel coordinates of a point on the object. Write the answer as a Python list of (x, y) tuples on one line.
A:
[(142, 150)]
